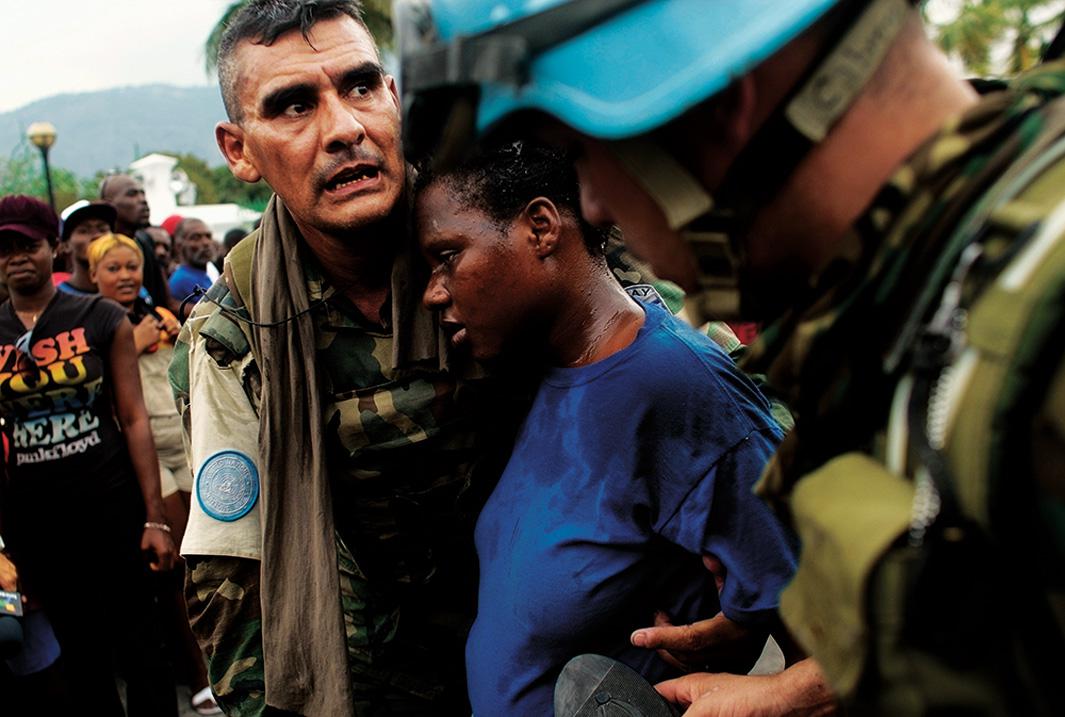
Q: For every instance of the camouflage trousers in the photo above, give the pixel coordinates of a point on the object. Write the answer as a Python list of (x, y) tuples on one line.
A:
[(388, 677)]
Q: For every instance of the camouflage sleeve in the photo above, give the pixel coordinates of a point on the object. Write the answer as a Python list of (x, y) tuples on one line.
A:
[(222, 595), (629, 271), (178, 373)]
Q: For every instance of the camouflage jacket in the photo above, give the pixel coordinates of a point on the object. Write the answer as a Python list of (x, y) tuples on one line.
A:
[(401, 449), (926, 372)]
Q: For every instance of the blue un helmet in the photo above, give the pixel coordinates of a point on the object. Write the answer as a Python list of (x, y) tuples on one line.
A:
[(618, 69)]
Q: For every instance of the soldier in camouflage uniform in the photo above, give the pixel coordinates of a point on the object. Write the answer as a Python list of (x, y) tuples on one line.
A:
[(410, 451), (358, 603), (903, 237)]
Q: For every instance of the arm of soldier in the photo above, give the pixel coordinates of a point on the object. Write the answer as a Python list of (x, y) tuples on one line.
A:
[(222, 596), (799, 691), (222, 574), (715, 642), (749, 553)]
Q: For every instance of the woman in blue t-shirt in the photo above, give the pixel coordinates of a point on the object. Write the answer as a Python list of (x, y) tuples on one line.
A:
[(637, 458), (82, 506)]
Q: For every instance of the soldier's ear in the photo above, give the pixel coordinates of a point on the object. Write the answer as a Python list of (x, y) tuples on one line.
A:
[(544, 226), (230, 138)]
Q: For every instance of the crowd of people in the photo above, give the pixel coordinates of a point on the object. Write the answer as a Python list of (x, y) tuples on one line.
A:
[(458, 428), (96, 487)]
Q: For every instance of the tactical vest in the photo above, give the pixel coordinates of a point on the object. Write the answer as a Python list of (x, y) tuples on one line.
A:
[(917, 568)]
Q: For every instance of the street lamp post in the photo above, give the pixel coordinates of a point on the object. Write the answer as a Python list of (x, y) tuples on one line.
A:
[(43, 134)]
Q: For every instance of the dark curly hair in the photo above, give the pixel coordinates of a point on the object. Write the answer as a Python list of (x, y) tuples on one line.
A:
[(501, 180)]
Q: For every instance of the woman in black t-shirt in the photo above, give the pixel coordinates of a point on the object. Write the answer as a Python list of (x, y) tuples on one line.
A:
[(82, 502)]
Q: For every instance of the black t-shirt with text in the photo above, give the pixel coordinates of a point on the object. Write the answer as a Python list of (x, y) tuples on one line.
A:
[(56, 399)]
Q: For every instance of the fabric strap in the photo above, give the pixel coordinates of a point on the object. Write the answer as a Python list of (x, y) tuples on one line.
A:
[(305, 665), (305, 656)]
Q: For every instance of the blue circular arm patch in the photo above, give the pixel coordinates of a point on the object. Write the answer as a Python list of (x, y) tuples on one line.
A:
[(227, 485)]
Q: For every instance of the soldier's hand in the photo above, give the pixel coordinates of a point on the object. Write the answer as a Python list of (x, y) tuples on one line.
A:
[(722, 695), (717, 644), (799, 691)]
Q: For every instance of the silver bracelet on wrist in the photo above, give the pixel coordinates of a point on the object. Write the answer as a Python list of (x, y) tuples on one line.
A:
[(158, 526)]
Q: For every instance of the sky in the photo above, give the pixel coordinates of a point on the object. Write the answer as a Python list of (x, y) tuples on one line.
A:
[(56, 46)]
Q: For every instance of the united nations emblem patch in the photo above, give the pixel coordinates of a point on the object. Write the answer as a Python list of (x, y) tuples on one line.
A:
[(227, 485), (647, 294)]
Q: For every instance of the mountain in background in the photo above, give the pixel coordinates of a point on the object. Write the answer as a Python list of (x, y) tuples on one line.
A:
[(108, 129)]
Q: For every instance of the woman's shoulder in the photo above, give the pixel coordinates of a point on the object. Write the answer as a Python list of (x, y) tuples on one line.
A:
[(680, 352), (97, 313)]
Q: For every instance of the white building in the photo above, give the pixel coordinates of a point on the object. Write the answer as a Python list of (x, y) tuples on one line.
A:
[(169, 192)]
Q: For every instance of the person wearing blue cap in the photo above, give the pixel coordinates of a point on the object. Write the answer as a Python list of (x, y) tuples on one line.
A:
[(820, 166)]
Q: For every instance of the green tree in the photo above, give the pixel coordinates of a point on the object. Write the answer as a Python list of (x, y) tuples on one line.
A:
[(23, 173), (230, 189), (1024, 26), (216, 185), (376, 13), (201, 175)]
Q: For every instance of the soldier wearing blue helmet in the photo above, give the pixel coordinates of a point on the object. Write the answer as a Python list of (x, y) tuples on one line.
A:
[(818, 165)]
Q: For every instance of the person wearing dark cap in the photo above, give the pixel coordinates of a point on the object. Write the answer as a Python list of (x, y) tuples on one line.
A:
[(83, 222), (82, 466)]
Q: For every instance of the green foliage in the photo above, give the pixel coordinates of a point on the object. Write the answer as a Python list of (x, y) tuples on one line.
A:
[(216, 185), (230, 189), (202, 176), (23, 173), (376, 13), (1024, 26)]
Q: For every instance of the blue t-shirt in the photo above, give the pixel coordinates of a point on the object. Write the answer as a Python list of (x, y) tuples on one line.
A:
[(624, 472), (186, 278)]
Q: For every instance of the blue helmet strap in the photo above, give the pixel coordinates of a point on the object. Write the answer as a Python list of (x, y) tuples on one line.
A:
[(805, 118)]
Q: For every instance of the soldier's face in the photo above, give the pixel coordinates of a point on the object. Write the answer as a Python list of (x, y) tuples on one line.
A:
[(321, 125), (773, 265), (609, 196), (483, 279)]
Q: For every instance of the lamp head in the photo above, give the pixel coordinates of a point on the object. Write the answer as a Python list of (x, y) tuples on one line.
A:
[(42, 134)]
